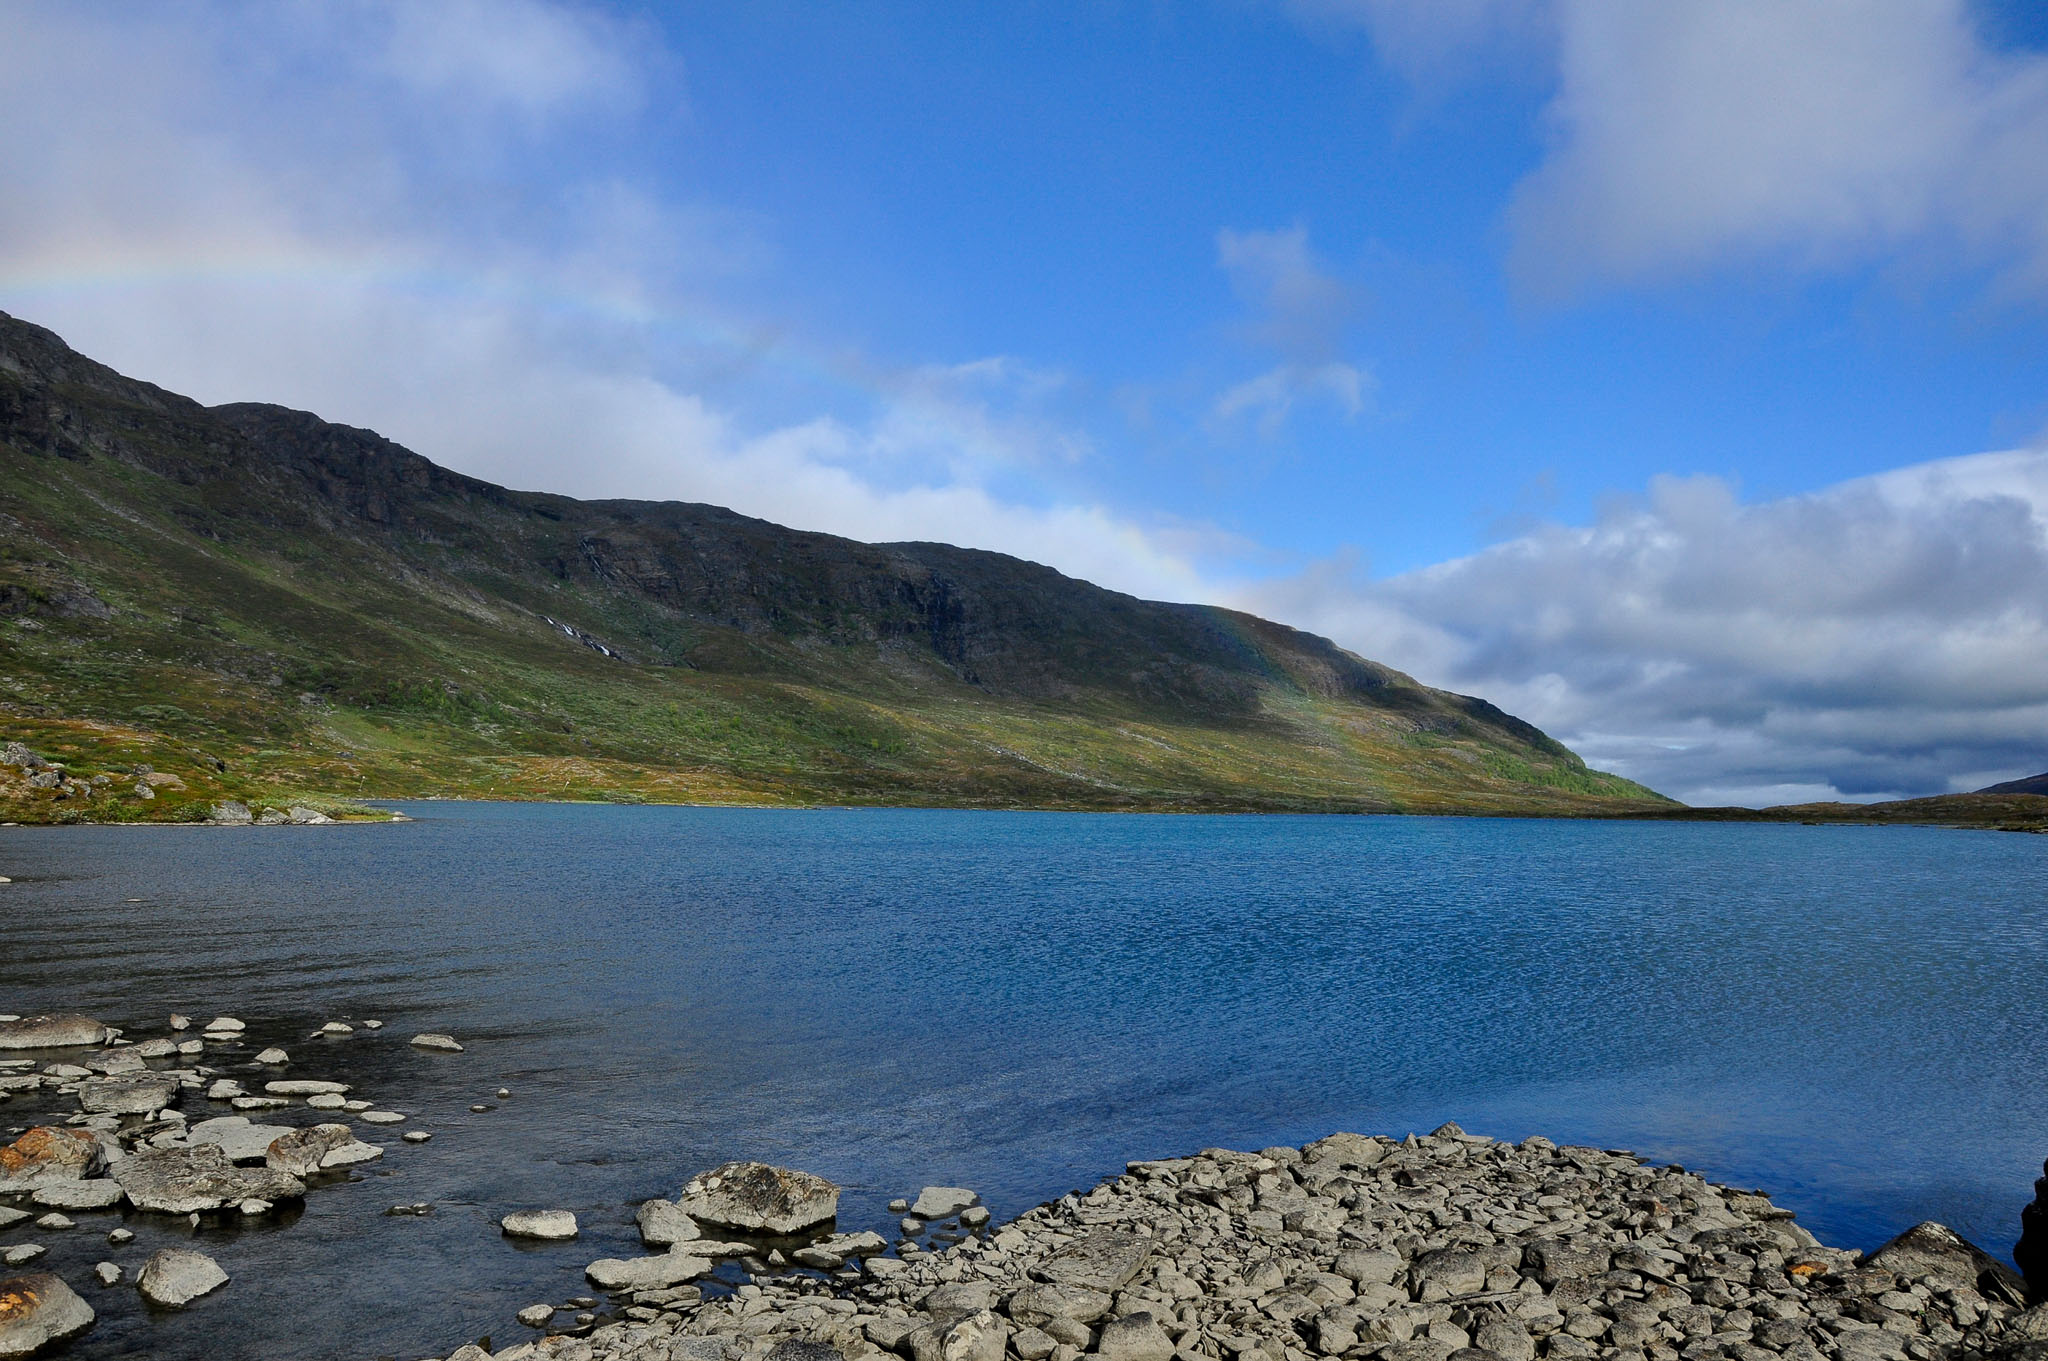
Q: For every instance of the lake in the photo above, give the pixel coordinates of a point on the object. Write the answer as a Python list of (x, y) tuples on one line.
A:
[(1848, 1018)]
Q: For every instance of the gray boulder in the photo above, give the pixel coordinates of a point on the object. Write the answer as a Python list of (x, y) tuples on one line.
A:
[(37, 1310), (192, 1180), (317, 1148), (1103, 1260), (1945, 1259), (175, 1277), (232, 813), (61, 1030), (663, 1224), (759, 1198), (444, 1043), (128, 1094), (1134, 1337), (552, 1225), (978, 1336)]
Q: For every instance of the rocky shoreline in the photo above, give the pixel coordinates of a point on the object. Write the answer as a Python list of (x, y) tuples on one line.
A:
[(1441, 1247), (1444, 1247)]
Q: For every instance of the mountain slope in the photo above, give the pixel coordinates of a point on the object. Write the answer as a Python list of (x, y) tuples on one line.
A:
[(254, 601), (2033, 784)]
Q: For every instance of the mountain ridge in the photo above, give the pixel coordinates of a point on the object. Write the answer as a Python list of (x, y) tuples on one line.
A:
[(395, 627)]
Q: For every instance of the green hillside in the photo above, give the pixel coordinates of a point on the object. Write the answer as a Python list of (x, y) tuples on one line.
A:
[(249, 602)]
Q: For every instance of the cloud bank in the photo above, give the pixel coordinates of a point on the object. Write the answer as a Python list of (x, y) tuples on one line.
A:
[(1884, 638)]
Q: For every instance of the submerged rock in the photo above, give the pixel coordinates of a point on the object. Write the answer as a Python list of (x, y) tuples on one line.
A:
[(59, 1030), (196, 1180), (37, 1311), (759, 1198), (175, 1277)]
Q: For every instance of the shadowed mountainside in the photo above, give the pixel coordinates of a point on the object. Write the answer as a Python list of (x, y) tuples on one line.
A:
[(2033, 784), (250, 601)]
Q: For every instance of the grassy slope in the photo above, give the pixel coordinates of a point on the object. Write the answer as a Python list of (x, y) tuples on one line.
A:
[(162, 602)]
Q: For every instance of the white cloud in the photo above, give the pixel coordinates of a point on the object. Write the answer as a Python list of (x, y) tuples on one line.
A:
[(1887, 636), (1298, 309), (1809, 133), (322, 207)]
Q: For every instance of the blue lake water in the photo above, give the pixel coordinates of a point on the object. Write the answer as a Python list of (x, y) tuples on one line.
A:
[(1848, 1018)]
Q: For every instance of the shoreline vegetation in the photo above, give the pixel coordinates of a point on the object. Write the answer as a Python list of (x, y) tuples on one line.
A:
[(1441, 1247), (245, 603), (123, 790)]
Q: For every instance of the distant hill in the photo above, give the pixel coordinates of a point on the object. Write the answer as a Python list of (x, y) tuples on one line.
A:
[(2033, 784), (247, 600)]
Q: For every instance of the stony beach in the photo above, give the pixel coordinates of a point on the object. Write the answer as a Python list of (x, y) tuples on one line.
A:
[(1441, 1247)]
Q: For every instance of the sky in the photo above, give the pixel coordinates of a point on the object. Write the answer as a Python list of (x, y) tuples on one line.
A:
[(1674, 376)]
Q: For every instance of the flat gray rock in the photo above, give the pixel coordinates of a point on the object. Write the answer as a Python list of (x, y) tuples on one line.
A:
[(59, 1030), (37, 1310), (175, 1277), (444, 1043), (102, 1193), (1103, 1260), (553, 1225), (942, 1202), (759, 1198), (243, 1141), (194, 1180), (129, 1094), (302, 1086), (646, 1273)]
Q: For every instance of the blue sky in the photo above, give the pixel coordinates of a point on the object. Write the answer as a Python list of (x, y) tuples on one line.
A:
[(1611, 361)]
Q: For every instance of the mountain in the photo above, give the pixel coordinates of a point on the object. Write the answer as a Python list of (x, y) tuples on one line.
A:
[(248, 601), (2033, 784)]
